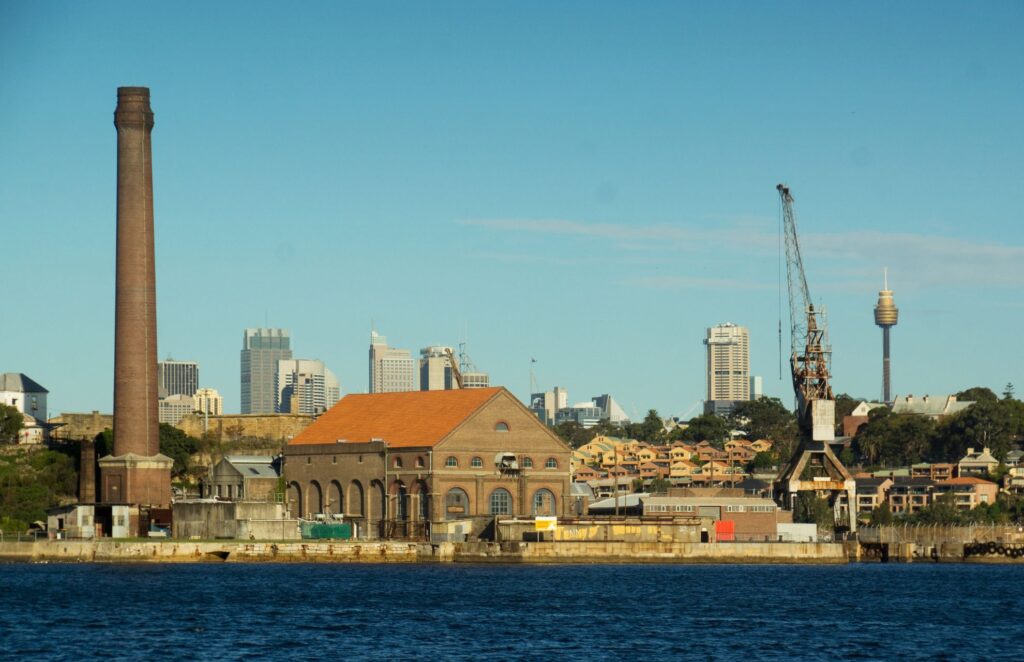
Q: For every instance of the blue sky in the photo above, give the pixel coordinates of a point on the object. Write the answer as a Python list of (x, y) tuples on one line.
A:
[(587, 184)]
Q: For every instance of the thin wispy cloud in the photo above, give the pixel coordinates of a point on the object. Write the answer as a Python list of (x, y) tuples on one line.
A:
[(844, 259)]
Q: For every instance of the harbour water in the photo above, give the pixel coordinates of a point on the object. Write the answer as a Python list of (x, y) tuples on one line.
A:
[(466, 611)]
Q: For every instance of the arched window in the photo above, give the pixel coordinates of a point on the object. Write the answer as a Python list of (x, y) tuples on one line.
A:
[(527, 462), (476, 463), (456, 504), (543, 503), (500, 502), (419, 461), (451, 461), (398, 463), (552, 463), (501, 426)]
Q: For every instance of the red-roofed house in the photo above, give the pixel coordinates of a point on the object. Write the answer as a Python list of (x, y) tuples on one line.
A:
[(393, 463)]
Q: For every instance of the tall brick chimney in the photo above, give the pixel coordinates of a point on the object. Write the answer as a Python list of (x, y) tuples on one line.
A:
[(136, 473)]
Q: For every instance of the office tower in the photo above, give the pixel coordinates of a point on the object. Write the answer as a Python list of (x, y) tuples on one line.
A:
[(546, 405), (476, 380), (436, 369), (886, 316), (305, 386), (728, 367), (756, 387), (209, 401), (177, 377), (261, 350), (136, 473), (391, 370)]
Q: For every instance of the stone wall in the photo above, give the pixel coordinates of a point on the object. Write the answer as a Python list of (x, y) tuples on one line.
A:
[(272, 427)]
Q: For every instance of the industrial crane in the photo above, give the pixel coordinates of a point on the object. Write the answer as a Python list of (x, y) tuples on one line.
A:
[(456, 373), (809, 363)]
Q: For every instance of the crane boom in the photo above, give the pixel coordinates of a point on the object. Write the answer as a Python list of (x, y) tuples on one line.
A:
[(809, 366)]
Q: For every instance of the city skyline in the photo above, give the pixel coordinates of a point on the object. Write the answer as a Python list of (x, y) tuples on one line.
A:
[(593, 194)]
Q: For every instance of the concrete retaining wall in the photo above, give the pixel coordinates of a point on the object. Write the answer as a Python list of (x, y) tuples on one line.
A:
[(650, 552)]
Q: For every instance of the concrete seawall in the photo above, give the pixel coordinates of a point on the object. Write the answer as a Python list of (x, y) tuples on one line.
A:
[(408, 552)]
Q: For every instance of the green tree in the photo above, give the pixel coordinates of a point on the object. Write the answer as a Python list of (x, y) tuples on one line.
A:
[(810, 508), (893, 440), (847, 457), (977, 394), (651, 429), (178, 446), (763, 460), (11, 422), (707, 427), (845, 404), (993, 424), (881, 515), (659, 485), (767, 418), (1008, 391)]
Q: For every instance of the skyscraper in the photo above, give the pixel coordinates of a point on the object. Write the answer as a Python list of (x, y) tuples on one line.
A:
[(305, 386), (436, 369), (728, 367), (177, 377), (391, 370), (209, 401), (261, 350)]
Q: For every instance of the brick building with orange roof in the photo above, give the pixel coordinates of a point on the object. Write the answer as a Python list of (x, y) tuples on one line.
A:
[(395, 463)]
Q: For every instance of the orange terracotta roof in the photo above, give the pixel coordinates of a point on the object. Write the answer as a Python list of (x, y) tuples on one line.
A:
[(965, 480), (414, 418)]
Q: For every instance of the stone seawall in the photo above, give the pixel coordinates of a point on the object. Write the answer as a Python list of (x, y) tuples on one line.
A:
[(650, 552), (409, 552)]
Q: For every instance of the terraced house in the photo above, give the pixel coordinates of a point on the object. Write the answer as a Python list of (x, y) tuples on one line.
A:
[(404, 464)]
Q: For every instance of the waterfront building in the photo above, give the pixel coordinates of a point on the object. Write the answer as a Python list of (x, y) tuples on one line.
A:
[(175, 407), (305, 386), (243, 478), (414, 464), (391, 370), (261, 350), (209, 401), (26, 395), (177, 377), (728, 367), (436, 372)]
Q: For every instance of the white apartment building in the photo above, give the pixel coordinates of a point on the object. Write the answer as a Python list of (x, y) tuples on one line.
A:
[(305, 386), (391, 370), (173, 408), (209, 401), (728, 365)]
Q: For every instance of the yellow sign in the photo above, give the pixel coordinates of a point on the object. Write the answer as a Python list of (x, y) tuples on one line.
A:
[(545, 523)]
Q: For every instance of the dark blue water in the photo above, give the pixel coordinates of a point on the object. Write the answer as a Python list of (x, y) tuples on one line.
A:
[(226, 611)]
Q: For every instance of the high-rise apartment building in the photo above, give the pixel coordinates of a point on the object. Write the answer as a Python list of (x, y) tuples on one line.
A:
[(177, 377), (175, 407), (436, 369), (305, 386), (261, 350), (209, 401), (728, 367), (391, 370), (476, 380)]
